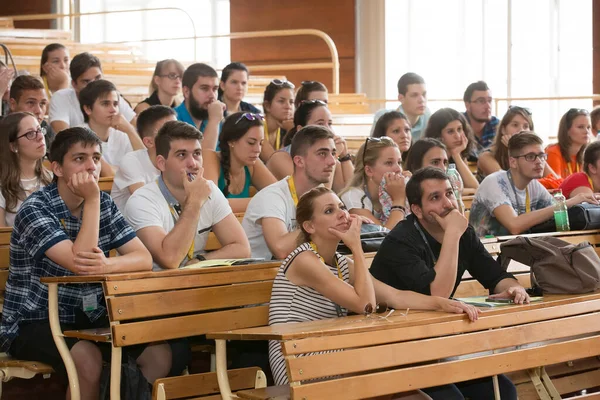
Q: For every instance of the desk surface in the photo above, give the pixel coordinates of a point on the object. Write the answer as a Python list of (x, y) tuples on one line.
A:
[(360, 323)]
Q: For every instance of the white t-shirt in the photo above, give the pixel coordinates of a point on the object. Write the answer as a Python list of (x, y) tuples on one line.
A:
[(274, 201), (117, 146), (135, 167), (64, 106), (148, 207), (355, 198), (30, 186)]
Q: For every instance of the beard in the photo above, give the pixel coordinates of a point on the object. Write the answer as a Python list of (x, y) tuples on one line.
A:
[(196, 109), (481, 120)]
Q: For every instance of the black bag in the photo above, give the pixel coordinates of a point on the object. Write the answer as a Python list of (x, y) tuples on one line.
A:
[(581, 217), (371, 237), (134, 385)]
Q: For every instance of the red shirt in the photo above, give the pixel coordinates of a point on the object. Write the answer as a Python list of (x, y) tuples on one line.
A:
[(574, 181)]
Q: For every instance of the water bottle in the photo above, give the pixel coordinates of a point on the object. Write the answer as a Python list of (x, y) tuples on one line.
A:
[(561, 215), (457, 185)]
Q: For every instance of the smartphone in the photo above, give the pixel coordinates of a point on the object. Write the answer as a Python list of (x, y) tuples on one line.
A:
[(507, 301)]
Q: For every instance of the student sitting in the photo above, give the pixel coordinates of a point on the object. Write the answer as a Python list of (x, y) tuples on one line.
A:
[(238, 166), (55, 235), (65, 110), (269, 221), (478, 104), (512, 202), (6, 75), (451, 128), (395, 125), (200, 107), (22, 151), (278, 106), (100, 106), (311, 90), (174, 214), (313, 112), (54, 68), (377, 177), (164, 86), (138, 168), (234, 87), (588, 181), (314, 282), (27, 94), (427, 152), (574, 133), (429, 252)]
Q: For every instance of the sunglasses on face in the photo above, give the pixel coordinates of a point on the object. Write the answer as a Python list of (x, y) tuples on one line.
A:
[(279, 82), (32, 135), (172, 76), (531, 157), (523, 109), (250, 117)]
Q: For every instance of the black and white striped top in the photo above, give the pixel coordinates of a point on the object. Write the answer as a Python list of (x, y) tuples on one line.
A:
[(292, 303)]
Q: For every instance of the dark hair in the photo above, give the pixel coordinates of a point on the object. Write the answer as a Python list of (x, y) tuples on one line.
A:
[(146, 119), (70, 137), (305, 89), (475, 86), (231, 67), (305, 209), (414, 190), (271, 91), (564, 141), (10, 168), (410, 78), (174, 130), (595, 116), (48, 49), (301, 117), (441, 118), (518, 142), (591, 155), (234, 128), (81, 63), (384, 122), (308, 136), (414, 158), (93, 91), (158, 70), (195, 71), (499, 150), (22, 83)]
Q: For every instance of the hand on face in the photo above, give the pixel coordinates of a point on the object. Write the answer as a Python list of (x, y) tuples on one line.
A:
[(197, 189), (341, 147), (460, 148), (216, 110), (351, 237), (118, 120), (85, 185), (395, 185), (453, 222), (56, 74), (287, 124)]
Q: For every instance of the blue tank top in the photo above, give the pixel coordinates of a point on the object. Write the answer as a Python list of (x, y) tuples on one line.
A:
[(247, 183)]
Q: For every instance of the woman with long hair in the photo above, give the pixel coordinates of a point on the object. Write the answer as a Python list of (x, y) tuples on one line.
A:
[(311, 90), (22, 152), (377, 190), (427, 152), (395, 125), (165, 85), (54, 68), (278, 106), (315, 282), (237, 166), (234, 87), (574, 134), (451, 128)]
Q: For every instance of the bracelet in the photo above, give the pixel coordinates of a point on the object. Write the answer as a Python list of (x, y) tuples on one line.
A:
[(399, 208), (347, 157), (200, 257)]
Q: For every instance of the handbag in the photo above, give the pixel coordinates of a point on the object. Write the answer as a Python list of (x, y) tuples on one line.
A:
[(557, 266), (581, 217)]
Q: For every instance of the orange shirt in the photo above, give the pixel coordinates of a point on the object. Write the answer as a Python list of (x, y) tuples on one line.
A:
[(557, 162)]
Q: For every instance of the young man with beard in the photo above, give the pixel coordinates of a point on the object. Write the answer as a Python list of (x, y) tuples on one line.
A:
[(270, 219), (478, 102), (200, 107), (512, 202), (429, 252)]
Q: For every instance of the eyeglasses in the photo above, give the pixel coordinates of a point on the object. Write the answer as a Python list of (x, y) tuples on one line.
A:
[(172, 76), (523, 109), (374, 139), (531, 157), (250, 117), (279, 82), (481, 101), (32, 135), (314, 101)]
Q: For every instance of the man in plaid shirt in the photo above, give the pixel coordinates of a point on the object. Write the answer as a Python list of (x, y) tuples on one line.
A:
[(68, 228)]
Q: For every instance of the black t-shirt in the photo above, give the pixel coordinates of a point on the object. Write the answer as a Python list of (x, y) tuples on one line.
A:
[(405, 263)]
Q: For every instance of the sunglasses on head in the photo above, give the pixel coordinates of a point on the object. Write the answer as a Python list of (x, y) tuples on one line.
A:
[(250, 117), (279, 82), (373, 139), (314, 101), (523, 109)]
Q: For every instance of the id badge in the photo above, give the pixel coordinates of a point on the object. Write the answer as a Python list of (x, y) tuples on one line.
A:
[(90, 302)]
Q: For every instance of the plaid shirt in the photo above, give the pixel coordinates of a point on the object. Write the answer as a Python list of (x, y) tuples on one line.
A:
[(488, 134), (38, 227)]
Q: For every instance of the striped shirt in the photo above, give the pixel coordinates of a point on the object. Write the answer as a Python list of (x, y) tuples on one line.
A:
[(292, 303), (42, 222)]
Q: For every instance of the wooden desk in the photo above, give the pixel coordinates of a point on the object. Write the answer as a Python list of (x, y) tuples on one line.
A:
[(359, 337)]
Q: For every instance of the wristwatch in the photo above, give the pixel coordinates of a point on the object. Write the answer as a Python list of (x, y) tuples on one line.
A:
[(347, 157)]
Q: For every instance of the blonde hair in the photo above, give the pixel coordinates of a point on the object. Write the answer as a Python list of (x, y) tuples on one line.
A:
[(159, 69)]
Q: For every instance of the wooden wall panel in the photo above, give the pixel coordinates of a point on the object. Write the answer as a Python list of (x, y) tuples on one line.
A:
[(334, 17), (14, 7)]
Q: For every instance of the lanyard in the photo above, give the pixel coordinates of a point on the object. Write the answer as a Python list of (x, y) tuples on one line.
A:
[(527, 199), (337, 265), (277, 137), (425, 240), (174, 208), (571, 169), (292, 187), (590, 182)]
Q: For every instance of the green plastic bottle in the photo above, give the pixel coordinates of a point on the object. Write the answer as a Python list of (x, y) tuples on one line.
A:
[(561, 214)]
